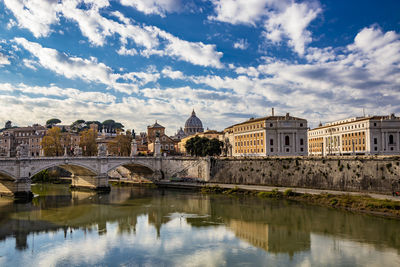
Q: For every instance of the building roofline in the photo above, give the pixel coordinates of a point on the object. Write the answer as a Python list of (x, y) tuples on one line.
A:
[(375, 117), (266, 118)]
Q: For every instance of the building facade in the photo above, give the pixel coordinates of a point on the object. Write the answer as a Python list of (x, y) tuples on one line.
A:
[(167, 144), (270, 136), (31, 136), (371, 135)]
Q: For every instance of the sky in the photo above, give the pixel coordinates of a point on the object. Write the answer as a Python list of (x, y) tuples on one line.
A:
[(137, 61)]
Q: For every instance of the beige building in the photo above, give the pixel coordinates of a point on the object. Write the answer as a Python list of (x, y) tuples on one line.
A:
[(11, 138), (167, 145), (270, 136), (356, 136)]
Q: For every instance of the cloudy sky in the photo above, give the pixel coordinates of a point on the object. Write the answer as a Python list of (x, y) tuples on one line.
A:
[(136, 61)]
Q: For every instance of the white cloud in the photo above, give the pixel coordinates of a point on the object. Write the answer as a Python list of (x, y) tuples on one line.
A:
[(127, 52), (11, 23), (70, 67), (173, 74), (241, 44), (281, 19), (89, 70), (315, 54), (239, 11), (39, 15), (196, 53), (159, 7), (35, 15), (4, 60), (292, 24), (369, 39), (52, 90), (30, 63)]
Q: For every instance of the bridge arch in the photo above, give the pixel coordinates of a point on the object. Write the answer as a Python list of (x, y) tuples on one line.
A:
[(6, 176), (73, 167), (137, 167)]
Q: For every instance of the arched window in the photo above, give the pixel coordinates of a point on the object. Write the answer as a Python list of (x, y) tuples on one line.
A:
[(391, 140), (287, 140)]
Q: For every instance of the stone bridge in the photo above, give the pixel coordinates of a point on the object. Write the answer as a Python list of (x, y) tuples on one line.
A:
[(92, 172)]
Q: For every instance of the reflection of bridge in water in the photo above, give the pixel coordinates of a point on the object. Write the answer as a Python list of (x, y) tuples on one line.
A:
[(273, 226), (92, 172)]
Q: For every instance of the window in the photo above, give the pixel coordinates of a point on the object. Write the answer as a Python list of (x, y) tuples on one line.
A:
[(301, 141), (391, 140), (375, 141), (374, 123), (301, 149), (270, 125), (301, 125), (272, 150), (375, 148), (271, 142), (287, 142), (287, 149)]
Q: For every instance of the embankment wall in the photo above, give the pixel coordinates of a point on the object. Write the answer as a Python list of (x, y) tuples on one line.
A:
[(364, 174)]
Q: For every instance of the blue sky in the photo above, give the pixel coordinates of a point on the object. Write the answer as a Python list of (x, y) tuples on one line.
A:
[(141, 60)]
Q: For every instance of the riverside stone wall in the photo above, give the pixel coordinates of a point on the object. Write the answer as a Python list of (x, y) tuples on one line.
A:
[(365, 174)]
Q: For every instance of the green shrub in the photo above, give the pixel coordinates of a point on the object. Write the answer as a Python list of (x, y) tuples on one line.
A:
[(289, 192), (40, 177)]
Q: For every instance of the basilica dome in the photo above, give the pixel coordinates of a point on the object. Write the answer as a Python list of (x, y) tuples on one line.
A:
[(193, 125)]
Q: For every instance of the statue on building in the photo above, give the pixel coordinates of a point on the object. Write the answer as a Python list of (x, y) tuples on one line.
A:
[(102, 150), (133, 147), (77, 151), (22, 151), (133, 134)]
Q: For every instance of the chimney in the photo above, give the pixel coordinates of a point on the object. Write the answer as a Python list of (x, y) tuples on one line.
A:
[(273, 112)]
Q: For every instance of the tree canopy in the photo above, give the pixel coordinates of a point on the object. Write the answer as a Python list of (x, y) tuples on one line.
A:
[(51, 143), (8, 125), (202, 146), (52, 122), (88, 142), (78, 126), (113, 126), (120, 145)]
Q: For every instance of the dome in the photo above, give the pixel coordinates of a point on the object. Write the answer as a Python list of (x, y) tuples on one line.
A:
[(193, 122), (193, 125)]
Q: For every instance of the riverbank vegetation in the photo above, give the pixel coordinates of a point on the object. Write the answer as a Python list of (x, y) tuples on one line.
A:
[(51, 175), (359, 203)]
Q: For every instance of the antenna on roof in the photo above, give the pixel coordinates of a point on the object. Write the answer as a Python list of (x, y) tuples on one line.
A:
[(363, 112)]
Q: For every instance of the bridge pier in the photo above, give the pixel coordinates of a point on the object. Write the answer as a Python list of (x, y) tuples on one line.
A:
[(18, 189), (91, 182)]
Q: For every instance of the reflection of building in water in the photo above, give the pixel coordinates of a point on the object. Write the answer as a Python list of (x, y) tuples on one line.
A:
[(275, 239), (127, 225), (102, 228)]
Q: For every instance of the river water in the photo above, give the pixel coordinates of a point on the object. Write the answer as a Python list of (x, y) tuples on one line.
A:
[(136, 226)]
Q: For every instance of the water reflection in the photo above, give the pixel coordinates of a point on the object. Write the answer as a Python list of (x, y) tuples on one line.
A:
[(149, 226)]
